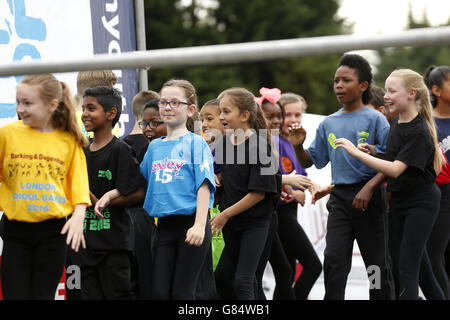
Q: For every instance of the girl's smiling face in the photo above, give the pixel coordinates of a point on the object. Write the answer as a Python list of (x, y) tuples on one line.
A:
[(273, 115), (211, 125), (175, 117), (293, 113), (397, 98), (31, 108)]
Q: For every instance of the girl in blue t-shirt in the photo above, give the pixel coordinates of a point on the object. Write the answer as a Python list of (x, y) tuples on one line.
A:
[(180, 191), (356, 208)]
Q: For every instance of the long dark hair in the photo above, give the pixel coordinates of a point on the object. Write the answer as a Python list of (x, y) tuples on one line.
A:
[(434, 76)]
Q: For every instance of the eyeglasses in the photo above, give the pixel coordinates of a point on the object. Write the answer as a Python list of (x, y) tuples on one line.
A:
[(172, 103), (152, 124)]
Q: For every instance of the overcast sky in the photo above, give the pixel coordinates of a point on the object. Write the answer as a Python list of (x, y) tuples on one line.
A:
[(390, 16), (384, 16)]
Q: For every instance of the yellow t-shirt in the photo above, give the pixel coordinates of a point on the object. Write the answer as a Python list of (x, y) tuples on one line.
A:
[(43, 175)]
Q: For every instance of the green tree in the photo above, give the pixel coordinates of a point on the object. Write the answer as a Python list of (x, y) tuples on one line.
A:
[(417, 59), (170, 24)]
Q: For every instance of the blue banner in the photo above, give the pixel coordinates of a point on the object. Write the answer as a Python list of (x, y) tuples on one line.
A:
[(113, 31)]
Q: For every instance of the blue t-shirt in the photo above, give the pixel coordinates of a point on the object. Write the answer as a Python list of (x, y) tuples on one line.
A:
[(362, 126), (174, 171)]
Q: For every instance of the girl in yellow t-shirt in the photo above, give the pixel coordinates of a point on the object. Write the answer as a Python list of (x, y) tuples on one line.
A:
[(43, 179)]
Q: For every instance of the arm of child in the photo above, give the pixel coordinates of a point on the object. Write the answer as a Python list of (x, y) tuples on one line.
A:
[(296, 180), (104, 201), (319, 192), (74, 228), (252, 198), (297, 136), (362, 198), (196, 233), (389, 168)]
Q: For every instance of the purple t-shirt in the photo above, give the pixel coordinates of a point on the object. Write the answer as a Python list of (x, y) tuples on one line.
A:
[(288, 160)]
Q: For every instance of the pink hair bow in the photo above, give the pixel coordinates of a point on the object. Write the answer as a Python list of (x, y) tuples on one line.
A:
[(272, 95)]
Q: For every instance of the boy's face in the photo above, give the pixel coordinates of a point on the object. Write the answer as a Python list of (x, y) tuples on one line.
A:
[(155, 128), (347, 87), (94, 116)]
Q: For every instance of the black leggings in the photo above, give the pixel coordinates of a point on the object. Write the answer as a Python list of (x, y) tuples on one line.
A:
[(244, 246), (33, 258), (298, 247), (177, 265), (436, 245), (412, 216)]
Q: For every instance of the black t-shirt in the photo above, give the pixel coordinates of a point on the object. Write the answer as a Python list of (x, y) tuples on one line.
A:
[(250, 166), (412, 144), (138, 142), (111, 167)]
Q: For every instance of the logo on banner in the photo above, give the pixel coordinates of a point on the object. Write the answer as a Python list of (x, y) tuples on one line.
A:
[(18, 29)]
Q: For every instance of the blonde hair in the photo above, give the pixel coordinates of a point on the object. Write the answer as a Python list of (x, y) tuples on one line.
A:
[(414, 81), (92, 79), (63, 118), (289, 97), (139, 102)]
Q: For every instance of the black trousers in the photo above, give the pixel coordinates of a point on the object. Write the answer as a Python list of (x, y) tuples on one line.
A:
[(369, 228), (298, 248), (110, 279), (33, 258), (177, 265), (412, 216)]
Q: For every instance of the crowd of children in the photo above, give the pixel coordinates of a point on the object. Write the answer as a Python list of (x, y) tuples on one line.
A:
[(182, 211)]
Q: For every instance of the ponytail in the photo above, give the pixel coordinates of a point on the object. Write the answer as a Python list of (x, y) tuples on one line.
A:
[(64, 117), (426, 112)]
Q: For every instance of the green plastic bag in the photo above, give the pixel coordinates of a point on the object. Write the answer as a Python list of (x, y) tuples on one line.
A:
[(217, 242)]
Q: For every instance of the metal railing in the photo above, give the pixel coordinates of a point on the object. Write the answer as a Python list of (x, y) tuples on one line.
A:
[(233, 53)]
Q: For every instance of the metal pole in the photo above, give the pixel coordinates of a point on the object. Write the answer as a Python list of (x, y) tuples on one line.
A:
[(234, 53), (141, 44)]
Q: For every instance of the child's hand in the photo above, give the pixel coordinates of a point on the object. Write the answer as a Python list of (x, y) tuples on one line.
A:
[(347, 145), (195, 235), (218, 179), (297, 134), (74, 228), (218, 222), (367, 148), (104, 201), (362, 198), (299, 196), (101, 204), (320, 192), (286, 194), (298, 181)]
